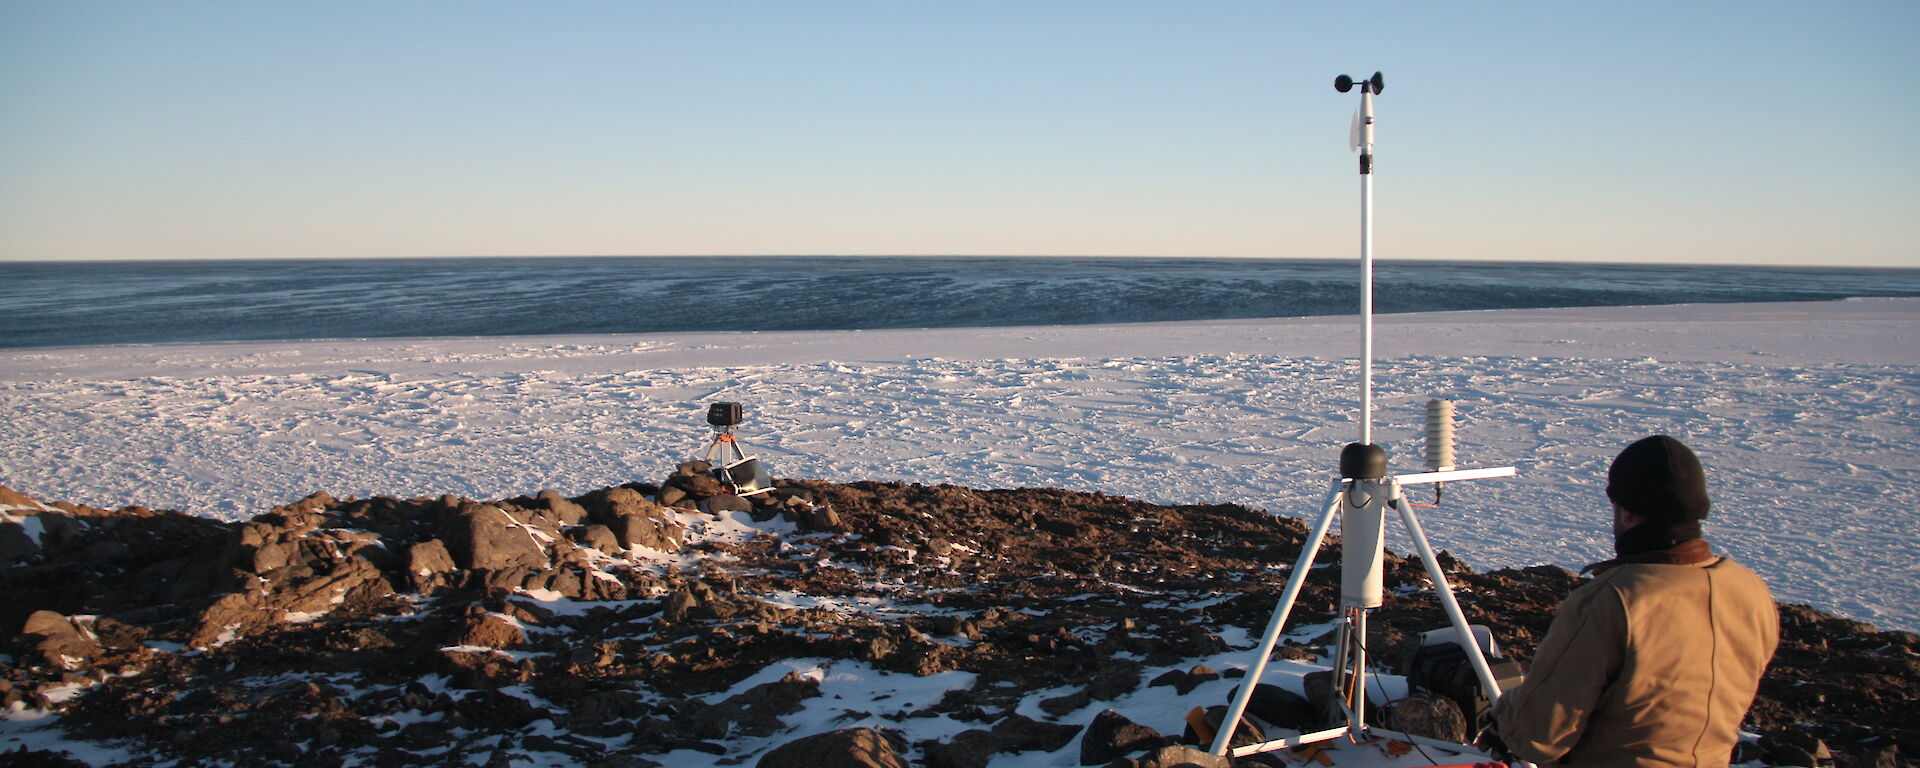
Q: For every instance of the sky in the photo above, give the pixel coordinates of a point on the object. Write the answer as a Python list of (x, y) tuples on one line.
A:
[(1696, 132)]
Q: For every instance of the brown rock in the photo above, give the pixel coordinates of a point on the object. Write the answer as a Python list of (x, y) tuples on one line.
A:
[(353, 581), (429, 557), (700, 486), (233, 616), (845, 748), (1183, 757), (649, 529), (562, 510), (673, 497), (491, 630), (726, 502), (597, 537), (63, 642), (1424, 714), (485, 537), (821, 519), (17, 500)]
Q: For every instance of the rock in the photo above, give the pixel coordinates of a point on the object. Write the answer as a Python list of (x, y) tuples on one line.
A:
[(1182, 757), (563, 510), (353, 580), (1014, 733), (846, 748), (597, 537), (648, 529), (1280, 707), (725, 502), (673, 496), (757, 710), (1794, 742), (16, 544), (1885, 756), (1061, 706), (426, 561), (64, 643), (229, 618), (1115, 678), (1790, 756), (490, 630), (1430, 715), (485, 537), (1111, 736), (821, 519), (15, 500), (480, 669), (699, 486)]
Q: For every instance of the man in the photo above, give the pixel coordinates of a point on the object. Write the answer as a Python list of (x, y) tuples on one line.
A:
[(1655, 661)]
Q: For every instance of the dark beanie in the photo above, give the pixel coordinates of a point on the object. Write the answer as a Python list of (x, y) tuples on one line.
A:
[(1660, 479)]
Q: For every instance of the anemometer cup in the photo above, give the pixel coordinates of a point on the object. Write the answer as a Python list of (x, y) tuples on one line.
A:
[(1372, 85)]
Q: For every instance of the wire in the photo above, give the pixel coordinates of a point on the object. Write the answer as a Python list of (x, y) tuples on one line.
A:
[(1384, 699)]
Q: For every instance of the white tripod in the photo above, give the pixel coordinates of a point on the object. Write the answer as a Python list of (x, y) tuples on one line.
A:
[(1361, 496)]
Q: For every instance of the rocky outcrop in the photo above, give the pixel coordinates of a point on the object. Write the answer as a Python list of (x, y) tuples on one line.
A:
[(845, 748), (540, 629)]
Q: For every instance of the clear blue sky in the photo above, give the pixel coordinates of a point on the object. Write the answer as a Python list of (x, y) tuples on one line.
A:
[(1700, 132)]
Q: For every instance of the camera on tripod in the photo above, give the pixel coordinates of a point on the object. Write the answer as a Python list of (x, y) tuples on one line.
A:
[(726, 414), (742, 475)]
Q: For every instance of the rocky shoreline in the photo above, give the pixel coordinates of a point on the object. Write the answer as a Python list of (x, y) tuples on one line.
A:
[(626, 627)]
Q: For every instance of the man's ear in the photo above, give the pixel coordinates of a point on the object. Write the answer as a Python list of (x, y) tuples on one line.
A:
[(1625, 519)]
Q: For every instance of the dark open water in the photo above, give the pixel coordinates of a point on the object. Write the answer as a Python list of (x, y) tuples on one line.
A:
[(64, 304)]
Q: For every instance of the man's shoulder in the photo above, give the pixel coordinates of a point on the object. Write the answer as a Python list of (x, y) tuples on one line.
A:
[(1716, 574)]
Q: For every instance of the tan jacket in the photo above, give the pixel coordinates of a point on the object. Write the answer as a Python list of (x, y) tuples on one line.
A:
[(1646, 665)]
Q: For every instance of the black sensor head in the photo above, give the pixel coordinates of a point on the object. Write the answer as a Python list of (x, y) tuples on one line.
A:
[(725, 414), (1363, 461)]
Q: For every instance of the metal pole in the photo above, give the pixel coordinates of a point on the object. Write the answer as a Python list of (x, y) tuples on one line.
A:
[(1444, 590), (1366, 267), (1279, 620)]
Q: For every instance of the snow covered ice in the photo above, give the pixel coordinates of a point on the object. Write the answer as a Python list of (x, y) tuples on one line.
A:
[(1805, 415)]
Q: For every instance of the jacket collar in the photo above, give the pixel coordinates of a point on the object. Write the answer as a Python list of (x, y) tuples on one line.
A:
[(1689, 552)]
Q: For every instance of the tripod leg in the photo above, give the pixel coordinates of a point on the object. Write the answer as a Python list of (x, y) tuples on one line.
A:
[(1445, 592), (1298, 578)]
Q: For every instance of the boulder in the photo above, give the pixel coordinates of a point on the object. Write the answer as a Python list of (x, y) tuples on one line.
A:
[(1426, 714), (1283, 708), (699, 486), (63, 642), (725, 502), (490, 630), (430, 566), (1111, 736), (1182, 757), (598, 537), (17, 545), (1014, 733), (430, 557), (229, 618), (757, 710), (485, 537), (845, 748), (649, 529), (559, 508)]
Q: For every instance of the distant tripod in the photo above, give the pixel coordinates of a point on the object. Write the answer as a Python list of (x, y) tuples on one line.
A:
[(741, 474)]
